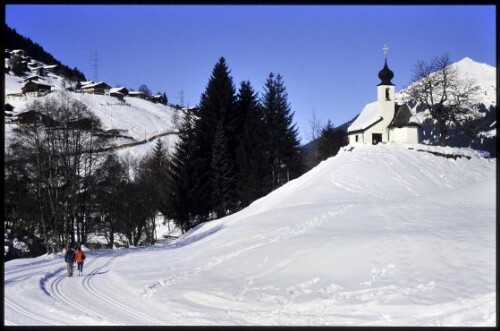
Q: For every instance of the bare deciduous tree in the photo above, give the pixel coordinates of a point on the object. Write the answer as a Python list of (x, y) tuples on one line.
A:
[(450, 99), (57, 148), (315, 127)]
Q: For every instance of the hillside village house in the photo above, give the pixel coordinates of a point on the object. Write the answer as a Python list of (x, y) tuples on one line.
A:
[(137, 94), (35, 89), (32, 117), (118, 92), (384, 120), (33, 78), (157, 98), (96, 88), (17, 52), (50, 68), (8, 108), (40, 71)]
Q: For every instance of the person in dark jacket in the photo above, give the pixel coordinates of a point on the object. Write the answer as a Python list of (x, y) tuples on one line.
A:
[(79, 257), (69, 258)]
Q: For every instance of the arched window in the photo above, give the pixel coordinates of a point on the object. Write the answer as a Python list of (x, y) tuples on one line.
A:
[(387, 98)]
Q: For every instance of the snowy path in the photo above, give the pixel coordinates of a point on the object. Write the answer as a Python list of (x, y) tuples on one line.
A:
[(81, 300)]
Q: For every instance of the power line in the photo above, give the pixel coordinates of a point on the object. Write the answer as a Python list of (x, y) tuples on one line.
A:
[(94, 64)]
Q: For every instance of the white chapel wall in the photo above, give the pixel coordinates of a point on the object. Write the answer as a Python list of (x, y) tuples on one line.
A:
[(408, 135)]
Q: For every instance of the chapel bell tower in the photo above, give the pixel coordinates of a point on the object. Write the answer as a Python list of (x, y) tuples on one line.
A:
[(385, 93)]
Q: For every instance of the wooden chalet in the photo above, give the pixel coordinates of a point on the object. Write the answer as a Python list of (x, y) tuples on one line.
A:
[(137, 94), (118, 92), (33, 78), (50, 68), (158, 98), (40, 71), (96, 88), (33, 117), (36, 89)]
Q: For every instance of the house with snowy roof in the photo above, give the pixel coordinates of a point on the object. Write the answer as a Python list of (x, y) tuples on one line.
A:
[(137, 94), (40, 71), (35, 89), (118, 92), (50, 68), (96, 88), (384, 120), (33, 78), (157, 98)]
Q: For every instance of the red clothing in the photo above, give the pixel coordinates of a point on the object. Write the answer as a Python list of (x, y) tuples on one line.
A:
[(79, 256)]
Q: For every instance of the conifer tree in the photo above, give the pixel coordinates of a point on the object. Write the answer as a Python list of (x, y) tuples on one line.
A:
[(158, 165), (223, 175), (250, 154), (330, 141), (282, 141), (217, 104), (180, 178), (112, 177)]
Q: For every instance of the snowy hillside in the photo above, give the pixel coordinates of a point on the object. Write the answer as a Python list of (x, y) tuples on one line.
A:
[(136, 118), (376, 236), (482, 74)]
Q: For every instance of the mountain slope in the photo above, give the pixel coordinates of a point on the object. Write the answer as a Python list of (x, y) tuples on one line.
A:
[(136, 118), (377, 235), (13, 40), (484, 76)]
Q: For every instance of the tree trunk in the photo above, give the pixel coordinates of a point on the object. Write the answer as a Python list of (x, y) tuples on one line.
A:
[(443, 133), (111, 236)]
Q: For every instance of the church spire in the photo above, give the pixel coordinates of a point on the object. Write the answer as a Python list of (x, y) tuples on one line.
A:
[(385, 74)]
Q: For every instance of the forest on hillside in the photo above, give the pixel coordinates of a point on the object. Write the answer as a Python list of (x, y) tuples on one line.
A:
[(234, 148), (13, 40)]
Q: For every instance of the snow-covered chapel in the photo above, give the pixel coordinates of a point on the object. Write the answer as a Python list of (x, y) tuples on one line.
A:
[(384, 120)]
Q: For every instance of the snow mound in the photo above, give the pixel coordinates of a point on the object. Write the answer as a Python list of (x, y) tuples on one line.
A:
[(379, 229)]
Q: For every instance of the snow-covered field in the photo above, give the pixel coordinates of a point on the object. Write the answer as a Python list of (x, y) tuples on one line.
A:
[(386, 235)]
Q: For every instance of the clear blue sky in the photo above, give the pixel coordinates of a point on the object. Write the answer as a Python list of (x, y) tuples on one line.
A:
[(329, 56)]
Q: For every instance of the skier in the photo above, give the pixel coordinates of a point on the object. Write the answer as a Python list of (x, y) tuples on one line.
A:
[(79, 257), (69, 258)]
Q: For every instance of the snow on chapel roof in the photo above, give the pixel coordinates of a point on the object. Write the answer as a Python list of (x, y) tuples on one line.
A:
[(404, 117), (368, 116)]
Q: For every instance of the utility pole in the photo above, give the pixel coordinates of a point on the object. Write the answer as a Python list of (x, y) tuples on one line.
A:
[(94, 64), (181, 97)]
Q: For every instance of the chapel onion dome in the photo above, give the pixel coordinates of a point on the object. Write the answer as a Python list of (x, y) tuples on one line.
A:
[(385, 75)]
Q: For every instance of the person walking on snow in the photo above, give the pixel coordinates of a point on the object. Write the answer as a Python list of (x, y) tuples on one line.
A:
[(79, 257), (69, 258)]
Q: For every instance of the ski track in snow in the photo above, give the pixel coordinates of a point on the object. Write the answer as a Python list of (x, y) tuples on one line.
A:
[(109, 300), (287, 233), (56, 286), (61, 296), (23, 310)]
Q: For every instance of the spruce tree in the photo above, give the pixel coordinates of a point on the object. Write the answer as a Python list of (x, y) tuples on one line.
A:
[(180, 178), (158, 164), (330, 141), (223, 178), (217, 105), (251, 156), (282, 141)]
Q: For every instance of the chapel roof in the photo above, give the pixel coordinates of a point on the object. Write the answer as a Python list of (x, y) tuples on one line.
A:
[(403, 117)]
